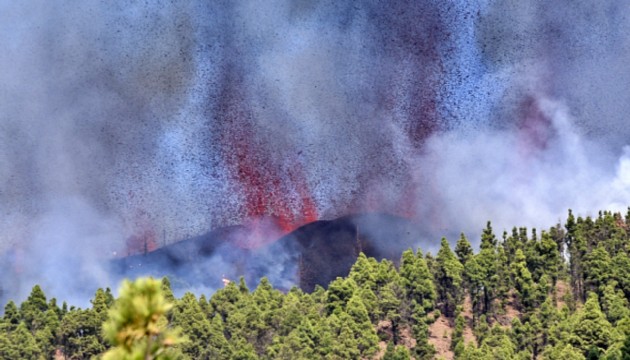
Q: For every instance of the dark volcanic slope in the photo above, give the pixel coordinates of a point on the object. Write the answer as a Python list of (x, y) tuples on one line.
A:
[(329, 248), (188, 263), (314, 254)]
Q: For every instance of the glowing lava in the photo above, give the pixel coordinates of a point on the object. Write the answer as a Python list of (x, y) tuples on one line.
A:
[(274, 193)]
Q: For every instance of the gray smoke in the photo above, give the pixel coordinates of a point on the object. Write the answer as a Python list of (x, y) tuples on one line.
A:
[(119, 116)]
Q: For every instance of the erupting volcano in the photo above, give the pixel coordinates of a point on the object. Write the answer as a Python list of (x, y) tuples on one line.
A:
[(275, 138)]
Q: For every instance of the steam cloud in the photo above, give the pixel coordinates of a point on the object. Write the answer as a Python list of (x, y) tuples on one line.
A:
[(117, 117)]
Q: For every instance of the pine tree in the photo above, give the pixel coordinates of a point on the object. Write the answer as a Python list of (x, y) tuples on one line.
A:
[(21, 345), (390, 300), (296, 345), (217, 346), (463, 249), (11, 316), (345, 344), (52, 306), (614, 303), (268, 301), (563, 352), (519, 335), (458, 333), (246, 322), (625, 349), (361, 325), (100, 304), (6, 348), (205, 306), (590, 327), (386, 273), (535, 336), (371, 303), (190, 318), (487, 261), (475, 276), (497, 345), (137, 325), (423, 349), (471, 352), (512, 243), (417, 279), (523, 282), (32, 310), (79, 334), (548, 316), (44, 338), (326, 335), (577, 247), (290, 314), (594, 353), (308, 338), (363, 272), (504, 280), (621, 271), (339, 293), (449, 278), (597, 265), (242, 350), (549, 258), (488, 239), (165, 285), (396, 353), (389, 352)]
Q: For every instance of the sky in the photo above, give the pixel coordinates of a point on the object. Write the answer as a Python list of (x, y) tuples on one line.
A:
[(165, 120)]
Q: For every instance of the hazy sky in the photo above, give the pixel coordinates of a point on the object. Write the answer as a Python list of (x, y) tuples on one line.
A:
[(181, 117)]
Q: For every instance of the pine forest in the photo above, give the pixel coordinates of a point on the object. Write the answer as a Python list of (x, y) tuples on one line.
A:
[(560, 293)]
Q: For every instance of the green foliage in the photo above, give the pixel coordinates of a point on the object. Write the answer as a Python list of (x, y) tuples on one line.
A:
[(614, 303), (597, 265), (591, 328), (422, 350), (396, 352), (547, 257), (11, 316), (463, 249), (188, 316), (364, 272), (498, 345), (621, 271), (417, 279), (594, 353), (339, 293), (217, 346), (79, 334), (359, 322), (624, 353), (137, 325), (504, 280), (519, 278), (483, 273), (19, 344), (32, 310), (449, 278), (563, 352), (523, 282)]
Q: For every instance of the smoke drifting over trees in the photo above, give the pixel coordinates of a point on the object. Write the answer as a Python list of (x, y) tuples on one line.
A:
[(123, 119)]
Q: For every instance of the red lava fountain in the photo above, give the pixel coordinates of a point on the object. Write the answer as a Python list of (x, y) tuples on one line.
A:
[(265, 185)]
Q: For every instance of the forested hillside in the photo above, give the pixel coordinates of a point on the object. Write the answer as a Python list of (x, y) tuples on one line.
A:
[(561, 293)]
